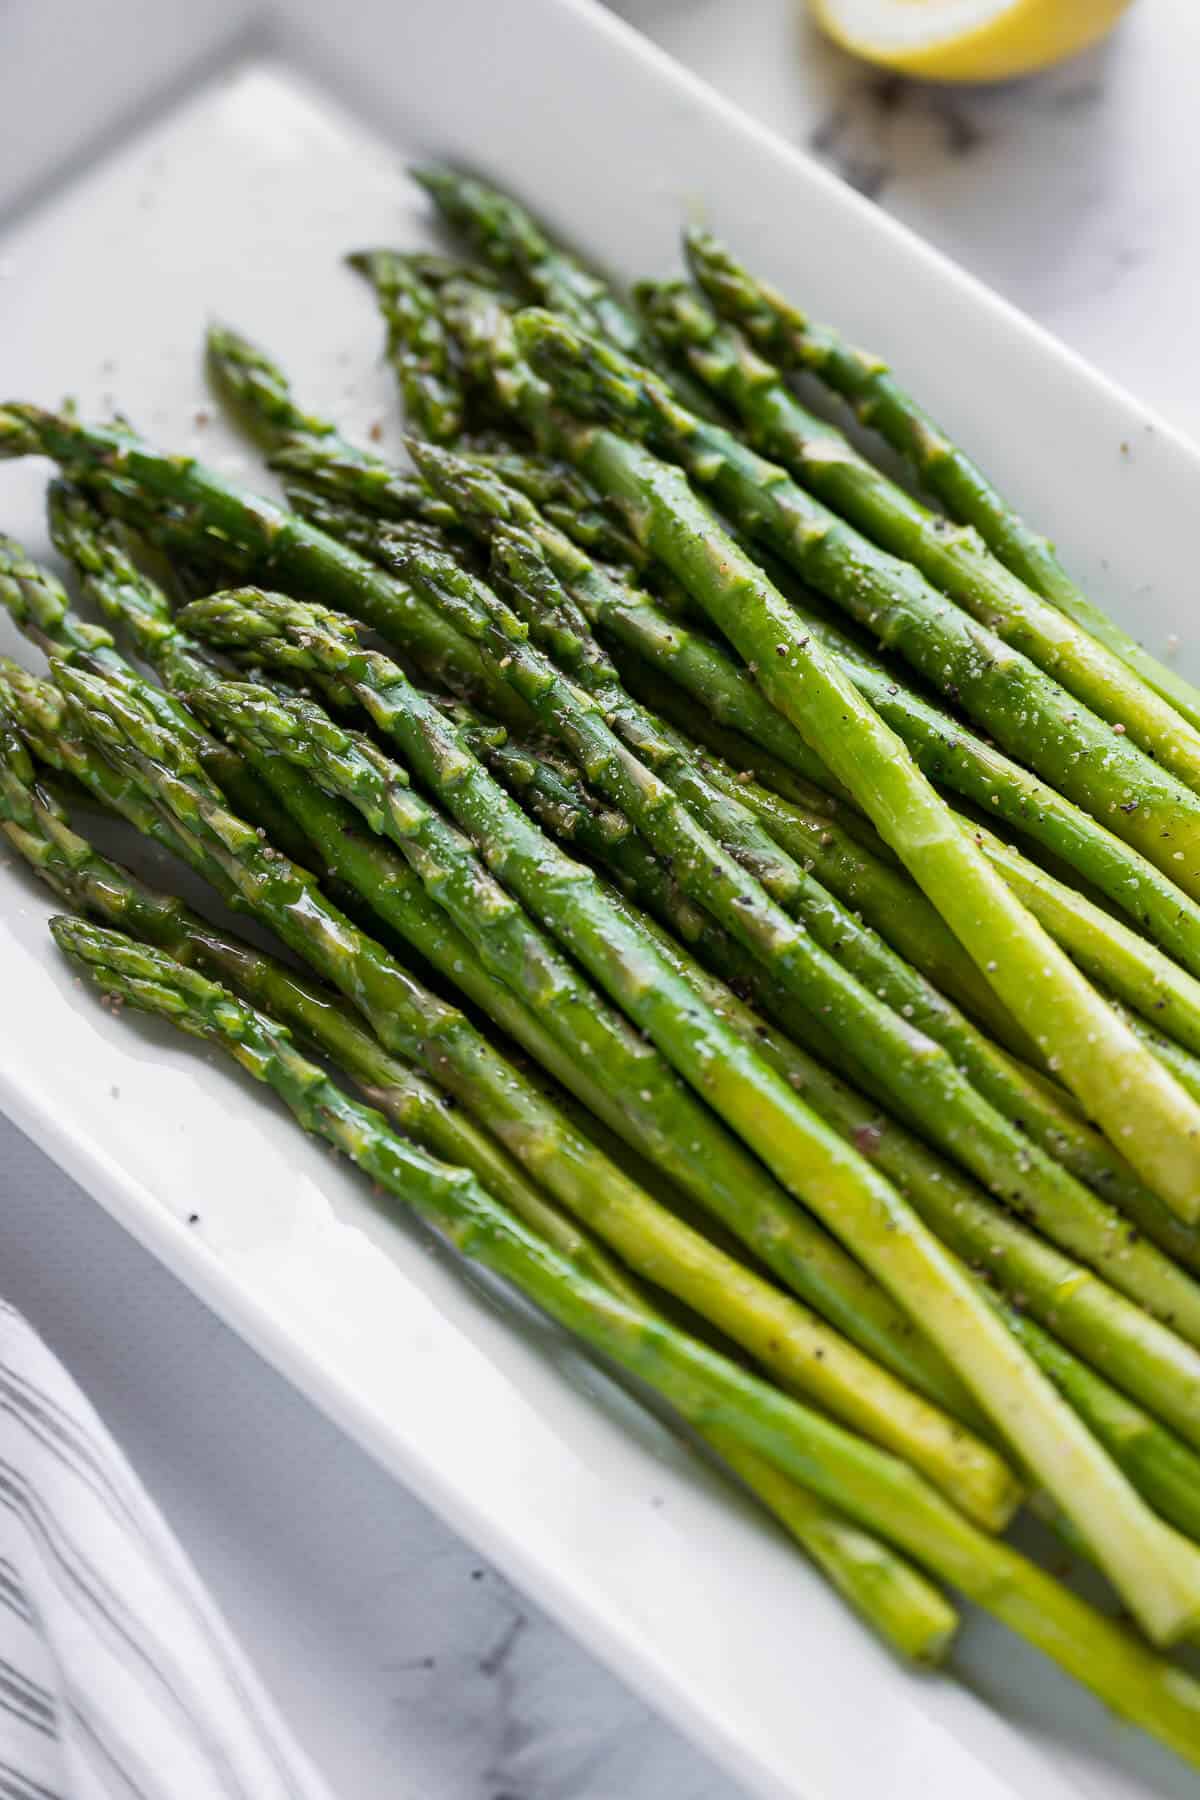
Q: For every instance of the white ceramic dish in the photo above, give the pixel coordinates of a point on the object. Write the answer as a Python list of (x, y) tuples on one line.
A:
[(160, 163)]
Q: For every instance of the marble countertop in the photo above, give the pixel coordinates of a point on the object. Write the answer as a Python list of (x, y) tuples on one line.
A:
[(408, 1667), (1072, 193)]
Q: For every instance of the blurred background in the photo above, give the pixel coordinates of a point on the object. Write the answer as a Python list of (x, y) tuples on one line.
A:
[(1071, 192)]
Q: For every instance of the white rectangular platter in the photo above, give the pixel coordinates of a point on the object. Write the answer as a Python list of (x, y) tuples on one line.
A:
[(161, 164)]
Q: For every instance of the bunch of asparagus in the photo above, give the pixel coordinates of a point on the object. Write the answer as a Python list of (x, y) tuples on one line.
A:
[(832, 1060)]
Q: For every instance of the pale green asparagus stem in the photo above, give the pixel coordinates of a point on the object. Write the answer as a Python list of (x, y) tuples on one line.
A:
[(806, 1259), (1145, 1114), (911, 1613), (730, 1078), (37, 826), (955, 560), (658, 1246), (872, 1487), (790, 337), (1144, 1357), (859, 1033), (907, 1611)]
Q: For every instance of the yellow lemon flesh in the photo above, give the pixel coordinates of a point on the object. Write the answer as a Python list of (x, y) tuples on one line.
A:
[(967, 40)]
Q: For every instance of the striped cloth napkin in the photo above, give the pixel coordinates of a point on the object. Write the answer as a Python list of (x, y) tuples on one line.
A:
[(119, 1680)]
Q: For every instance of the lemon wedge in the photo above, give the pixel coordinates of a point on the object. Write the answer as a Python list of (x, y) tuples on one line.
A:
[(967, 40)]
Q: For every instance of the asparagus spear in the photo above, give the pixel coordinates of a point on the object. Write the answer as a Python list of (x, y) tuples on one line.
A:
[(1026, 711), (328, 466), (1144, 1357), (1145, 1114), (417, 345), (513, 244), (1118, 959), (488, 508), (37, 826), (957, 561), (1136, 971), (657, 1113), (944, 749), (733, 1082), (39, 605), (562, 497), (909, 1611), (868, 1484), (69, 863), (715, 1171), (791, 338), (717, 1174), (309, 451), (861, 1033)]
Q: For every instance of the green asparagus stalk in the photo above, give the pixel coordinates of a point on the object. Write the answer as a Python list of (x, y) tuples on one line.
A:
[(1134, 970), (910, 1262), (483, 503), (1145, 1114), (948, 753), (1022, 708), (332, 468), (864, 1034), (1113, 956), (562, 497), (39, 605), (789, 337), (912, 1614), (1146, 1358), (514, 245), (798, 1250), (308, 450), (1183, 1065), (37, 826), (955, 560), (645, 1234), (868, 1484), (417, 345), (237, 529), (657, 1111), (944, 750), (326, 466), (808, 1259), (1162, 1468), (908, 1613)]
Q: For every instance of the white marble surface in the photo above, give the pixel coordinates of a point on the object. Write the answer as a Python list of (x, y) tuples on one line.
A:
[(408, 1667)]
